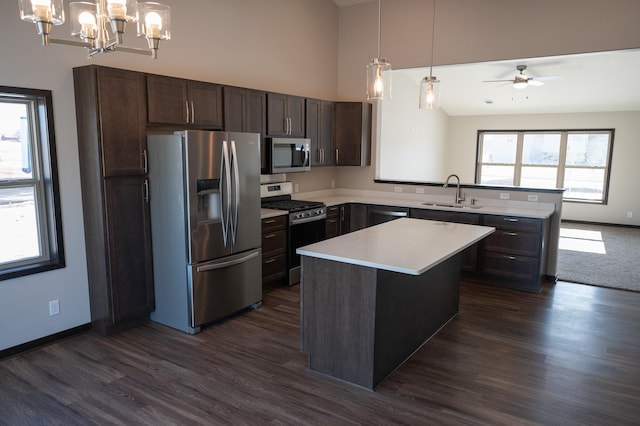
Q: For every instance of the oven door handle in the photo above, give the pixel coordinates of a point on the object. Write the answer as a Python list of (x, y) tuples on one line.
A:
[(308, 219)]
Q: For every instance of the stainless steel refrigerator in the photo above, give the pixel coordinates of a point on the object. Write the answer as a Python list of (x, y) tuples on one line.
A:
[(205, 225)]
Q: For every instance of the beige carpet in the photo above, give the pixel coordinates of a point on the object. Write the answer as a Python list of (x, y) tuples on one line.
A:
[(607, 256)]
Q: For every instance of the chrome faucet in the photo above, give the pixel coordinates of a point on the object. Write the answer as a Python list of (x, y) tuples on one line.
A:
[(459, 196)]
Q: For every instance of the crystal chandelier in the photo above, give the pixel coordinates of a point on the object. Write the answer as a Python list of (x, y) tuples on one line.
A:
[(100, 24)]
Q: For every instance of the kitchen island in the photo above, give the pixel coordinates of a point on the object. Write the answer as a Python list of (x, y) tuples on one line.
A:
[(371, 298)]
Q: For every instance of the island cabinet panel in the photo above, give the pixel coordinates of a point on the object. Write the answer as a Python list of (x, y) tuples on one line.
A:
[(245, 110), (515, 255), (177, 101), (285, 115), (469, 259), (353, 134), (111, 120), (274, 252), (319, 129)]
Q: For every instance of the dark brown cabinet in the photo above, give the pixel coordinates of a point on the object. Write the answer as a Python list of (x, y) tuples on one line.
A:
[(515, 254), (357, 216), (332, 228), (319, 129), (178, 101), (285, 115), (111, 115), (352, 134), (470, 255), (245, 110), (274, 251)]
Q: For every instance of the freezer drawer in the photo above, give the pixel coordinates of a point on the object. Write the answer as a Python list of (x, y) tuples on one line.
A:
[(224, 286)]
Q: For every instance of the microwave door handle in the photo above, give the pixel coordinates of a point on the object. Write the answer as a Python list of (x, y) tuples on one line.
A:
[(236, 189), (306, 157)]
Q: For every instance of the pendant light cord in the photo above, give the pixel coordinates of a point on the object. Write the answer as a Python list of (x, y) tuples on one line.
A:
[(379, 26), (433, 36)]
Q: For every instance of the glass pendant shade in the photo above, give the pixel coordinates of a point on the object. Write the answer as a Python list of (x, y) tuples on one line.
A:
[(83, 20), (379, 79), (429, 93), (154, 21), (49, 11)]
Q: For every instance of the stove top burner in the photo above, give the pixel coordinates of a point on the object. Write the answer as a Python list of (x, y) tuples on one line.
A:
[(292, 205)]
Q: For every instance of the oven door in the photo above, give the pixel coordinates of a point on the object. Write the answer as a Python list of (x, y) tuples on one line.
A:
[(300, 235)]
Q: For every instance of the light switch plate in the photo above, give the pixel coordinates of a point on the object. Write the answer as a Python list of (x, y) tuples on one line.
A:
[(504, 196)]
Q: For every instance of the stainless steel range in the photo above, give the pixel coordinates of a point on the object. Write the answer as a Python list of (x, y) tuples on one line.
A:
[(306, 224)]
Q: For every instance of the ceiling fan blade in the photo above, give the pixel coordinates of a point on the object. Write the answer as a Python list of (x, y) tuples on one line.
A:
[(497, 81), (548, 78), (536, 83)]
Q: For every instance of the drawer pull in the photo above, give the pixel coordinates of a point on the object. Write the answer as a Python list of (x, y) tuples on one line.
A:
[(511, 234), (511, 219), (269, 236), (269, 221), (332, 220), (333, 209), (511, 257), (273, 259)]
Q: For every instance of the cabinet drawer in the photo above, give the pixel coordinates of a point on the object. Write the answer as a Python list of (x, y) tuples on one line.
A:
[(512, 223), (332, 228), (274, 241), (508, 266), (512, 242), (332, 211), (274, 267), (273, 223)]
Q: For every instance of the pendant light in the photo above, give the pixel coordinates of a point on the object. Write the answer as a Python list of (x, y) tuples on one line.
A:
[(379, 72), (430, 86)]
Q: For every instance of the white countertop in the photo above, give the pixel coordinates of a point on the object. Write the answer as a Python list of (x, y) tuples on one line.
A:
[(408, 246), (266, 213), (521, 209)]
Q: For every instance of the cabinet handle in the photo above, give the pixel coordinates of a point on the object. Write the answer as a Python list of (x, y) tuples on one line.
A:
[(145, 161), (511, 234), (332, 220), (186, 105), (290, 125), (337, 156), (273, 259), (193, 113), (145, 188), (511, 219), (510, 257), (269, 221), (269, 236), (341, 213)]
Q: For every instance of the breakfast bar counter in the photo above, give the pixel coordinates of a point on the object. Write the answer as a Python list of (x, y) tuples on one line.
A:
[(371, 298)]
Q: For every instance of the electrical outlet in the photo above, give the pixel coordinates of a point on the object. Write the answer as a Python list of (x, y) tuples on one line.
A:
[(54, 307), (629, 215), (397, 189), (419, 190), (504, 196), (532, 197)]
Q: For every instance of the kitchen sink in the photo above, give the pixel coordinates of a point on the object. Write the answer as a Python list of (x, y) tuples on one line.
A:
[(456, 206)]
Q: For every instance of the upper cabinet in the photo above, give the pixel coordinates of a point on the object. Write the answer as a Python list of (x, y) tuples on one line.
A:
[(285, 115), (353, 134), (319, 129), (245, 110), (178, 101)]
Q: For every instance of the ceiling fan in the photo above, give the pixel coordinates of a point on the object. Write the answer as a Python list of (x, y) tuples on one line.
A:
[(522, 80)]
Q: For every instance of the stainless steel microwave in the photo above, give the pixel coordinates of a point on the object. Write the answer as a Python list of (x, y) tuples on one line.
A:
[(288, 155)]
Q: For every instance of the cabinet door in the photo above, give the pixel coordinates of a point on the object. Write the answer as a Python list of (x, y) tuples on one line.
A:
[(256, 120), (344, 219), (167, 100), (277, 114), (205, 104), (297, 116), (234, 110), (353, 134), (327, 112), (313, 130), (130, 266), (123, 110), (357, 216)]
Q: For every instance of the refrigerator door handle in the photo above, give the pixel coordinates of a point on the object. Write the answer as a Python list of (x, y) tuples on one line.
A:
[(236, 189), (225, 183), (227, 263)]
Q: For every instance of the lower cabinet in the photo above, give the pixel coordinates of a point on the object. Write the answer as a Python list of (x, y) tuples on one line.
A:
[(515, 254), (337, 220), (274, 252), (469, 259)]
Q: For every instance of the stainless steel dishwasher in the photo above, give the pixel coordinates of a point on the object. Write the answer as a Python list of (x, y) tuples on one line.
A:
[(381, 214)]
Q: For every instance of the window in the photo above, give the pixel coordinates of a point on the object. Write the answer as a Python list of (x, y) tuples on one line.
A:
[(577, 160), (30, 226)]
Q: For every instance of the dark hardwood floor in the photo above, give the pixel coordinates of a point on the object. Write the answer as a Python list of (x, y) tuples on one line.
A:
[(569, 355)]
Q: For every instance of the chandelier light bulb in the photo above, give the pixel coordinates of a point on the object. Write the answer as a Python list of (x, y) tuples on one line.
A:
[(41, 10), (117, 9), (88, 25), (153, 22)]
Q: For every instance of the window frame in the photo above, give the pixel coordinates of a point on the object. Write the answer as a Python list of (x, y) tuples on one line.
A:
[(45, 184), (562, 166)]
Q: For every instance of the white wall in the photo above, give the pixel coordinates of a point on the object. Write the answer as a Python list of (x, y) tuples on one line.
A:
[(286, 46), (483, 30)]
